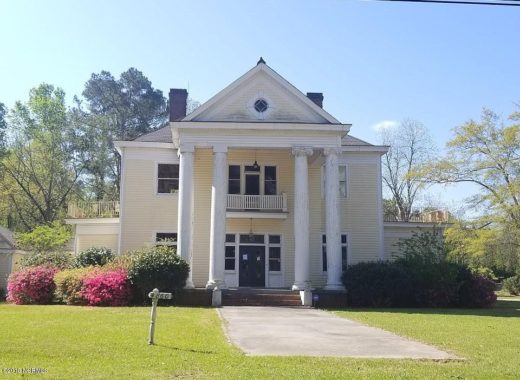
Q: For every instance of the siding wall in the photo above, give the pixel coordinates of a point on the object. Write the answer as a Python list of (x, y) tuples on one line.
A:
[(144, 212), (395, 232), (8, 264), (361, 212), (110, 241), (5, 268)]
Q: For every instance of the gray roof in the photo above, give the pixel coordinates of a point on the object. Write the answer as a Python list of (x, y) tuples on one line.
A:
[(163, 134), (349, 140)]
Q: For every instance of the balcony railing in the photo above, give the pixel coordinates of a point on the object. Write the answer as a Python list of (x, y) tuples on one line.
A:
[(273, 203), (101, 209), (420, 216)]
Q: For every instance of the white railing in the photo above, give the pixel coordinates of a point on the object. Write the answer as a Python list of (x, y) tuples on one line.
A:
[(257, 202), (101, 209)]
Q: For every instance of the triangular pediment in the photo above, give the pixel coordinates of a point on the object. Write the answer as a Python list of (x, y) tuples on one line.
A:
[(284, 103)]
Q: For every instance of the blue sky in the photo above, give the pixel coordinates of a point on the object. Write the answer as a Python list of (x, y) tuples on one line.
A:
[(374, 61)]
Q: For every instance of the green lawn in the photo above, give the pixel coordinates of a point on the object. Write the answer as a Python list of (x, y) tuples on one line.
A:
[(84, 342)]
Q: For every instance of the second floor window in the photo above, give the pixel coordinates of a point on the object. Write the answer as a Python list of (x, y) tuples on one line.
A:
[(234, 179), (342, 182), (167, 178), (270, 180)]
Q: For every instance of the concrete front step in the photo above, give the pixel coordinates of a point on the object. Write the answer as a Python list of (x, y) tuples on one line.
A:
[(260, 297)]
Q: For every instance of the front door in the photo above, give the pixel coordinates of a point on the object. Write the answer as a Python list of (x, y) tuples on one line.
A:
[(252, 266), (252, 183)]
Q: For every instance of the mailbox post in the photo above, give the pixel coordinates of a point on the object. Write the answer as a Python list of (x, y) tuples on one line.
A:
[(155, 295)]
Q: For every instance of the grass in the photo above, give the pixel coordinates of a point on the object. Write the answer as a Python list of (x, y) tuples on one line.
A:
[(84, 342)]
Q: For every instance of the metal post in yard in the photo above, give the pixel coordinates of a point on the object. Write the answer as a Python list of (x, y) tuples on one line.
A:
[(155, 295)]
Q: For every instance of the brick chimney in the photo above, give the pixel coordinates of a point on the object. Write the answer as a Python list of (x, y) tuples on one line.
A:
[(178, 103), (316, 97)]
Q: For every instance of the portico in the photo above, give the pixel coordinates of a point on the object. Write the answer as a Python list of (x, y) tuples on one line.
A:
[(290, 206)]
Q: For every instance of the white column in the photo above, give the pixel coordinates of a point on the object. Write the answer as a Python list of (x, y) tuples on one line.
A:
[(332, 220), (185, 209), (218, 218), (301, 219)]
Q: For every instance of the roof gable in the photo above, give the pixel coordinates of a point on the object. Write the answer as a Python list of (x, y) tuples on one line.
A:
[(285, 102)]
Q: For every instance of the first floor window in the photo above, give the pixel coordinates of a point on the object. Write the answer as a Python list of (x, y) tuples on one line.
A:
[(230, 257), (167, 178), (344, 247), (166, 238), (275, 253), (230, 253)]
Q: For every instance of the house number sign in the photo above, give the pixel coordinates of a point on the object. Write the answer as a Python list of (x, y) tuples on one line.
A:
[(155, 295)]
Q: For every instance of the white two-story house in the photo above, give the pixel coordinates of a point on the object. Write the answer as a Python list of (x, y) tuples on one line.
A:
[(258, 187)]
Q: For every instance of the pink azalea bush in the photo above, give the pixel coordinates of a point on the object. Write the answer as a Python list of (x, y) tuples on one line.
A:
[(33, 285), (107, 288)]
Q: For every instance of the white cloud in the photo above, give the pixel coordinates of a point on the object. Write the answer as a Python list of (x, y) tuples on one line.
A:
[(385, 124)]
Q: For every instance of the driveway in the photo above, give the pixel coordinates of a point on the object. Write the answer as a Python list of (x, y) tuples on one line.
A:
[(285, 331)]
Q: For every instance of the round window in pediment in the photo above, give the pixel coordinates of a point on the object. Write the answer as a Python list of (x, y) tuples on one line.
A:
[(261, 105)]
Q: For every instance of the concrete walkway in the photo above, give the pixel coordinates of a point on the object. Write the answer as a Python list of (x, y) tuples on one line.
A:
[(285, 331)]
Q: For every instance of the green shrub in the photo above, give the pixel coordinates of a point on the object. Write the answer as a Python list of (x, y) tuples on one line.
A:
[(158, 267), (512, 285), (416, 283), (477, 291), (94, 256), (60, 260), (377, 284), (435, 284), (69, 285), (45, 239)]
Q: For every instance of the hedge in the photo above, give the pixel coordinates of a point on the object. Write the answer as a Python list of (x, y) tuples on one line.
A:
[(413, 284)]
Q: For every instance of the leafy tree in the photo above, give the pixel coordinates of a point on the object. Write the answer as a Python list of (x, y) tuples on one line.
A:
[(5, 208), (115, 109), (410, 147), (42, 164), (483, 246), (485, 153), (3, 129), (45, 239)]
